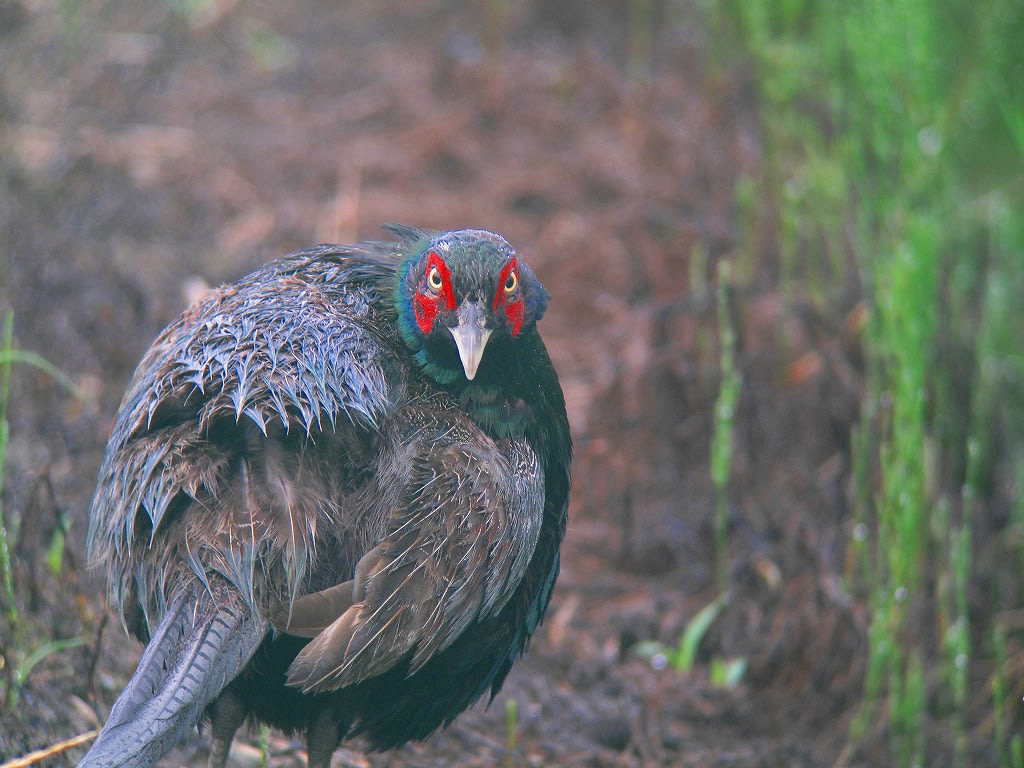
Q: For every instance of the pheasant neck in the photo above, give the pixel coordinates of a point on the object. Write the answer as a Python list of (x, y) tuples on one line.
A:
[(497, 410)]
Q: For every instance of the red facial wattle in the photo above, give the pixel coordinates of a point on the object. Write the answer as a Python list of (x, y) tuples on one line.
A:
[(508, 299), (432, 298)]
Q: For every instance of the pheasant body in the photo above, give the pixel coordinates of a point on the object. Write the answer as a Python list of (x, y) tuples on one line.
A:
[(334, 496)]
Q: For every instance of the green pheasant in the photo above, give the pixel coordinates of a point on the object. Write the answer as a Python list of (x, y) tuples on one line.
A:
[(334, 496)]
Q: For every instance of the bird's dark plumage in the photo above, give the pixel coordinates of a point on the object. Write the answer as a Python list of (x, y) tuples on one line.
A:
[(334, 496)]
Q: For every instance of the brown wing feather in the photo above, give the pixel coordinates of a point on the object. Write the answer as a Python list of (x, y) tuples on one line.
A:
[(311, 614), (451, 556)]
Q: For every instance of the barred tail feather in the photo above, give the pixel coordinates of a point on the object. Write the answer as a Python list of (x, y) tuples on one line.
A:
[(198, 648)]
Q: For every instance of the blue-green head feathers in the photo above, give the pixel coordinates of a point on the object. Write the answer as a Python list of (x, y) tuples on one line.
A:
[(461, 297)]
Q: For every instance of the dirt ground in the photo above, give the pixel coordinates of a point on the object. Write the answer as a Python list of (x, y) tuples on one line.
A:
[(148, 149)]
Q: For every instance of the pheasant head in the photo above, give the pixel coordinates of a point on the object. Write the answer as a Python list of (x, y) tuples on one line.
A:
[(463, 298)]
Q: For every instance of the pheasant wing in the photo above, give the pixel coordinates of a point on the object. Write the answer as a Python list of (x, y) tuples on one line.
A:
[(455, 550)]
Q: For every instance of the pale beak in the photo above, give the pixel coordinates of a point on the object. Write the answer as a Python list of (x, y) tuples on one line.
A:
[(470, 337)]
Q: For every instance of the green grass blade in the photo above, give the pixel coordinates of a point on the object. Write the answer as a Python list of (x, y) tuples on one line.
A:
[(6, 348), (686, 654)]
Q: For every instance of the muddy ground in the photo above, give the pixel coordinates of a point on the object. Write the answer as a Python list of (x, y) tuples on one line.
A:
[(150, 149)]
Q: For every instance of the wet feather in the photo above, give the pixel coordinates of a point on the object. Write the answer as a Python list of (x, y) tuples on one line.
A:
[(366, 538)]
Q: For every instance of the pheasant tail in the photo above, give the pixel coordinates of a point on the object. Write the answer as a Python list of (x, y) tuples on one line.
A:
[(197, 649)]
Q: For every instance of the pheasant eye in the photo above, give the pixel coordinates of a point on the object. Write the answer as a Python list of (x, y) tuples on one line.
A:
[(511, 281), (434, 279)]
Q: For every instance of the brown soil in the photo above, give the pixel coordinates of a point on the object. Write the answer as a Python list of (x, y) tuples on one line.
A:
[(146, 154)]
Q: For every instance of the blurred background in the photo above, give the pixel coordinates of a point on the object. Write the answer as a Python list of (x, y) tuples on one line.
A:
[(785, 244)]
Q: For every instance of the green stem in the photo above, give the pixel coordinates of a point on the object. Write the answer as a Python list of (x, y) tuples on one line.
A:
[(6, 357)]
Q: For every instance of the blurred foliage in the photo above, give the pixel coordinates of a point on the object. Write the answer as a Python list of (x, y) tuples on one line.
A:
[(722, 672), (6, 351), (20, 649), (725, 416), (893, 147)]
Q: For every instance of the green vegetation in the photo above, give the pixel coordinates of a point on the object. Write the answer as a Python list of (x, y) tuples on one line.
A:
[(893, 151), (511, 724), (723, 672), (725, 414), (15, 644), (6, 352), (264, 746)]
